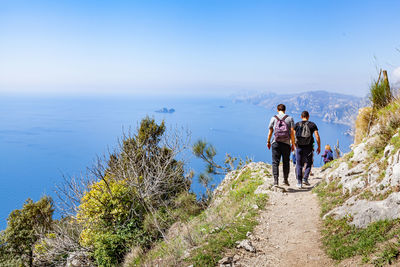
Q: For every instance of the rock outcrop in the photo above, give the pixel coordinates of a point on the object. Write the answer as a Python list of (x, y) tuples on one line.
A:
[(370, 180)]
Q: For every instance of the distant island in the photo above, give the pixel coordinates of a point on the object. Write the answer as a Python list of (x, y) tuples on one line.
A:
[(331, 107), (166, 110)]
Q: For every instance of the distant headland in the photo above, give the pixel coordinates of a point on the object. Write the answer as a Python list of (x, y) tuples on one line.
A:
[(165, 110)]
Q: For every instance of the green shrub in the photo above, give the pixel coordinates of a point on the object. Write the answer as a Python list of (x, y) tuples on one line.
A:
[(108, 225), (142, 192), (18, 239), (380, 94), (111, 246)]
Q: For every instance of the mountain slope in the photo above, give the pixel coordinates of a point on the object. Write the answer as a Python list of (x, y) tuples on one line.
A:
[(360, 195), (331, 107)]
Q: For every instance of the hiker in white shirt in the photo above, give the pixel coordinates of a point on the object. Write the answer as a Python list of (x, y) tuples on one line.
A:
[(282, 126)]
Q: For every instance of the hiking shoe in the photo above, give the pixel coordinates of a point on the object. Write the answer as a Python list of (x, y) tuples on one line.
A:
[(286, 182), (306, 182), (299, 186)]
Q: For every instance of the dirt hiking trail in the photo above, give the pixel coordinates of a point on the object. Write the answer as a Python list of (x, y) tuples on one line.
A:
[(289, 230)]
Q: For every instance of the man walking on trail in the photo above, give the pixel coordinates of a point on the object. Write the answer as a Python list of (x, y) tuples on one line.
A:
[(305, 147), (282, 126)]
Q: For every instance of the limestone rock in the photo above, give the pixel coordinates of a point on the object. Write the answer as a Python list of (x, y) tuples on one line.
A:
[(396, 174), (354, 184), (360, 153), (365, 212), (246, 244), (392, 176), (263, 189), (373, 173), (388, 150), (358, 169), (340, 171), (395, 158), (229, 261), (396, 171), (375, 129)]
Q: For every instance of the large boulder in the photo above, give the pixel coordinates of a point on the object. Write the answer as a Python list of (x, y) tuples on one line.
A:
[(365, 212), (360, 153)]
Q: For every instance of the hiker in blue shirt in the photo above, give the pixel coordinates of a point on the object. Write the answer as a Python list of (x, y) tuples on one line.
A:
[(282, 126), (328, 154), (304, 131)]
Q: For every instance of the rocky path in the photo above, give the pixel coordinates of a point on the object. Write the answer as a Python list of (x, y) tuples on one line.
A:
[(288, 233)]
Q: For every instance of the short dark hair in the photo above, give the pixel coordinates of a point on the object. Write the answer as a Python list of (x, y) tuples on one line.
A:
[(281, 107), (305, 114)]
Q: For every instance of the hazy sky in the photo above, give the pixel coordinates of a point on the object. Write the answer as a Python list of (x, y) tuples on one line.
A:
[(193, 47)]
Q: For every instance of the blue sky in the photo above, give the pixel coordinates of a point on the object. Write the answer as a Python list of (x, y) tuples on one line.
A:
[(196, 47)]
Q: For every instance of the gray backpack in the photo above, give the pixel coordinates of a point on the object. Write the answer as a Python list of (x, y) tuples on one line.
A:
[(303, 134)]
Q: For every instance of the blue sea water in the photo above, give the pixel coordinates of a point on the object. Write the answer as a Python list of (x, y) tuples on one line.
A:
[(42, 138)]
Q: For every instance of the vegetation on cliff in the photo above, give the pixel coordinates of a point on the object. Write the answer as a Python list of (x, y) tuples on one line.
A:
[(202, 239), (360, 195), (134, 207), (128, 199), (18, 240)]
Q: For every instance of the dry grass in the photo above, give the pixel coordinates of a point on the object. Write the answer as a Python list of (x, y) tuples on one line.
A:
[(133, 254), (388, 119), (363, 122)]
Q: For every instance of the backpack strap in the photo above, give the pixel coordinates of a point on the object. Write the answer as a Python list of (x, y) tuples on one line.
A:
[(284, 118)]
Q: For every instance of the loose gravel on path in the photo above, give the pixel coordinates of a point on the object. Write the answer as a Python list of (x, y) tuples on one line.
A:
[(289, 230)]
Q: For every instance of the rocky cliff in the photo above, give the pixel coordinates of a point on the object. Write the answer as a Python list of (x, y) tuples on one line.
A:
[(369, 184), (360, 193), (369, 175)]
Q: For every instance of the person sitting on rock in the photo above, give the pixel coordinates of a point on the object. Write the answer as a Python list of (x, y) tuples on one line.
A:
[(305, 147), (282, 126), (328, 154)]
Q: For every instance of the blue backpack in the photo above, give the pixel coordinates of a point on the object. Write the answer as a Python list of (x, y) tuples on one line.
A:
[(329, 155)]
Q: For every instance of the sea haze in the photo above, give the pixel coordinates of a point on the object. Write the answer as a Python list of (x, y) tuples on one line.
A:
[(43, 138)]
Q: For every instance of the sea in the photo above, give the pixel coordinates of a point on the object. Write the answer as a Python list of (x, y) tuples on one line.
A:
[(43, 139)]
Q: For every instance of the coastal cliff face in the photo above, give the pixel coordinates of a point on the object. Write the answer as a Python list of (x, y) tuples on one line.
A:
[(360, 192), (330, 107), (369, 176), (370, 183)]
